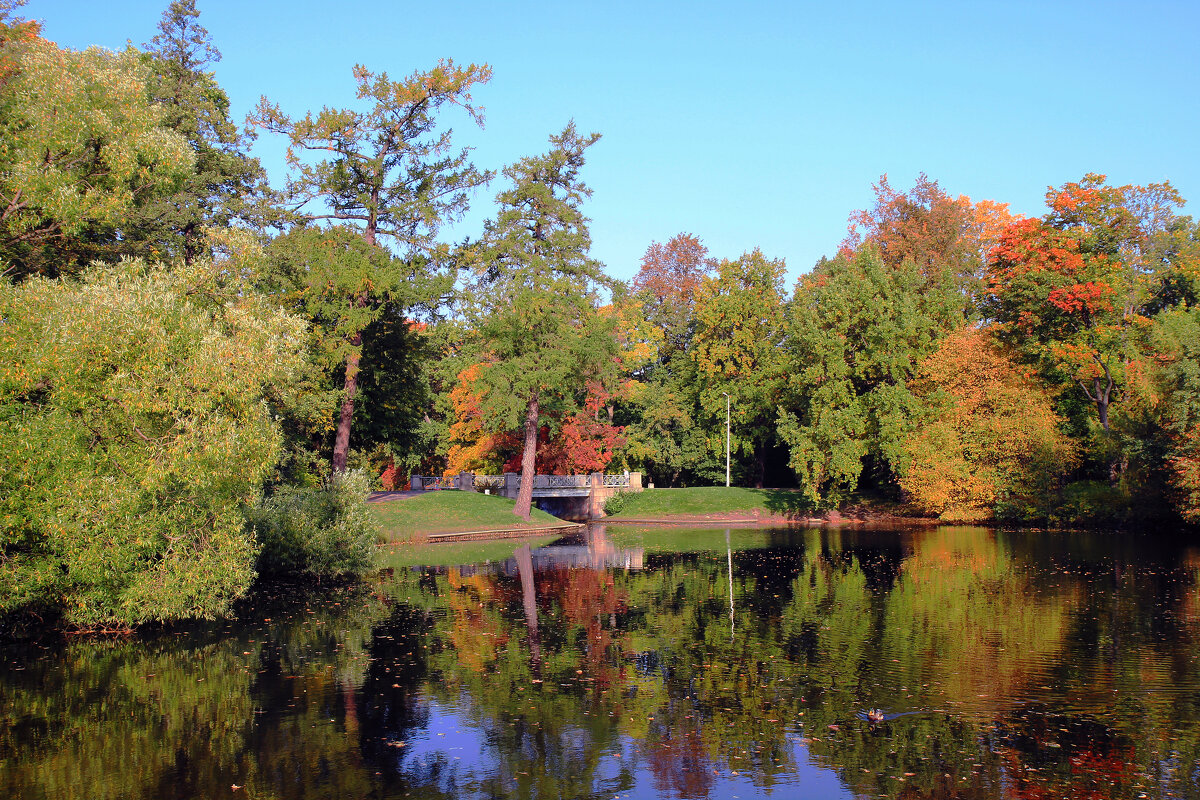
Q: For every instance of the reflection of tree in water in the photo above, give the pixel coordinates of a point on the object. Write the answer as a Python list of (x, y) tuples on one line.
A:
[(390, 705), (637, 678)]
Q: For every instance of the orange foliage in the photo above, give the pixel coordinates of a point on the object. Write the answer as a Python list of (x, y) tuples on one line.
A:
[(928, 226), (672, 272), (994, 438), (586, 441), (473, 448), (1091, 297), (1185, 464)]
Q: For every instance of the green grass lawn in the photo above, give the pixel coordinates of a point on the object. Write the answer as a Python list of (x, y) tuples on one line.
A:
[(654, 503), (450, 511)]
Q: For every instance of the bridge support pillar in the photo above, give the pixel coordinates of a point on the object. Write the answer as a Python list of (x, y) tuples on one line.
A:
[(596, 495), (510, 488)]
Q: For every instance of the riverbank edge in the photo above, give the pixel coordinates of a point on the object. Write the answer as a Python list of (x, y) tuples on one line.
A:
[(857, 515)]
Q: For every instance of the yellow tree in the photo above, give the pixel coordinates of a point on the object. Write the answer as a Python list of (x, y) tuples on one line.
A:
[(993, 442)]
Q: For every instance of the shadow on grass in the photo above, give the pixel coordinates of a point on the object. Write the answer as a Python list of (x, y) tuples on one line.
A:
[(786, 503)]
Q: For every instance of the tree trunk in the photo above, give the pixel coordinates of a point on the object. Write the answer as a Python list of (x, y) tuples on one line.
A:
[(525, 493), (341, 442), (760, 464)]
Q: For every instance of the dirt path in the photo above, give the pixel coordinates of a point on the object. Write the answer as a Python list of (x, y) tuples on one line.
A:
[(387, 497)]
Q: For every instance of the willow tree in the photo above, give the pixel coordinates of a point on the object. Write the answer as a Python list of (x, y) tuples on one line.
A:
[(82, 146), (388, 173), (534, 303)]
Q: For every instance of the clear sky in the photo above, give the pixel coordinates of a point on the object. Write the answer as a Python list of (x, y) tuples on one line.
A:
[(749, 124)]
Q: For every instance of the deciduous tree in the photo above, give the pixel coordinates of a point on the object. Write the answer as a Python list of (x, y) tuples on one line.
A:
[(857, 329), (134, 428), (739, 331), (991, 442), (1069, 291), (83, 145), (667, 282)]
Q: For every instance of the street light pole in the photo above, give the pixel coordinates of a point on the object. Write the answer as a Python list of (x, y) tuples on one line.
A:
[(726, 439)]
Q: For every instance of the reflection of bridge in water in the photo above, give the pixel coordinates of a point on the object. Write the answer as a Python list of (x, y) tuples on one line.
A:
[(596, 552)]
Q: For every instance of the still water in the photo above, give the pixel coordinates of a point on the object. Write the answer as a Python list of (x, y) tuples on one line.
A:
[(647, 663)]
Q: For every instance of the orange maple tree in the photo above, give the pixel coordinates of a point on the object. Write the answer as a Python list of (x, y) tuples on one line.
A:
[(1068, 290), (929, 227)]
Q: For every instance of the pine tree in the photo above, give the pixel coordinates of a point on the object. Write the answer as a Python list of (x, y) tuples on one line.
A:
[(535, 300)]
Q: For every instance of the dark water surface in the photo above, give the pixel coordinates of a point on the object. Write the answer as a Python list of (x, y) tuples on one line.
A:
[(644, 663)]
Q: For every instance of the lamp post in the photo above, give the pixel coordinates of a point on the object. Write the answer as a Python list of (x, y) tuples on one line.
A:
[(726, 439)]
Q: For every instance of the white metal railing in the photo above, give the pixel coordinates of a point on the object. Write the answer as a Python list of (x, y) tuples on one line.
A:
[(616, 481)]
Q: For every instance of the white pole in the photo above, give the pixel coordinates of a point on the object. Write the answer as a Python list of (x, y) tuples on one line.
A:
[(726, 439)]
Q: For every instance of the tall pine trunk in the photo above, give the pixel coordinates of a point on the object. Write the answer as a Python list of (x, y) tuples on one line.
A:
[(341, 441), (525, 493)]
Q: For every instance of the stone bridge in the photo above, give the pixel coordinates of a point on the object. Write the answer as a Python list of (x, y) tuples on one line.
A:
[(566, 496)]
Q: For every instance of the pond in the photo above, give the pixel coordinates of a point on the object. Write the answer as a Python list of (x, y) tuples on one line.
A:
[(654, 662)]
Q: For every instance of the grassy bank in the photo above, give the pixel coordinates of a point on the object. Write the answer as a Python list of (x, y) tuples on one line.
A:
[(449, 512), (708, 500)]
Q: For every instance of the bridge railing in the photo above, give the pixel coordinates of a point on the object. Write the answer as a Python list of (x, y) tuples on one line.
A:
[(490, 483), (428, 482), (508, 483)]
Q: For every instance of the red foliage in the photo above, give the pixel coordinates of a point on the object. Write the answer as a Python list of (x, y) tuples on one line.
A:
[(1091, 297), (387, 481), (673, 271), (586, 442)]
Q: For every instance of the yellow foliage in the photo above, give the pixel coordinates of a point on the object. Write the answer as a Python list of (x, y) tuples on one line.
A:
[(994, 436)]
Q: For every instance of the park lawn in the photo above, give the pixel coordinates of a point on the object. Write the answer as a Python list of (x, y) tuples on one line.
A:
[(450, 511), (708, 500)]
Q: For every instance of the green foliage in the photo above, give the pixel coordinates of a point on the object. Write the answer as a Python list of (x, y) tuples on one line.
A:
[(1091, 503), (616, 504), (383, 172), (737, 351), (534, 303), (225, 185), (133, 430), (83, 145), (1176, 341), (325, 532), (857, 330)]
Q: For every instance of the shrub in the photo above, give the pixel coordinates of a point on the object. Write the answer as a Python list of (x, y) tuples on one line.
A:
[(1091, 503), (324, 532), (615, 504), (133, 431)]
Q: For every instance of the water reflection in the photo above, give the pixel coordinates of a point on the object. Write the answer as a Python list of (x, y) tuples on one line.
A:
[(650, 663)]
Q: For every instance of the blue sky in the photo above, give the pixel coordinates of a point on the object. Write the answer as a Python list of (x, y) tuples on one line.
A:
[(748, 124)]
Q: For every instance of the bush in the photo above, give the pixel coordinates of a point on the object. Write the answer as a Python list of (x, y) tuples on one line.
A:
[(324, 532), (1091, 503), (133, 431), (615, 504)]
